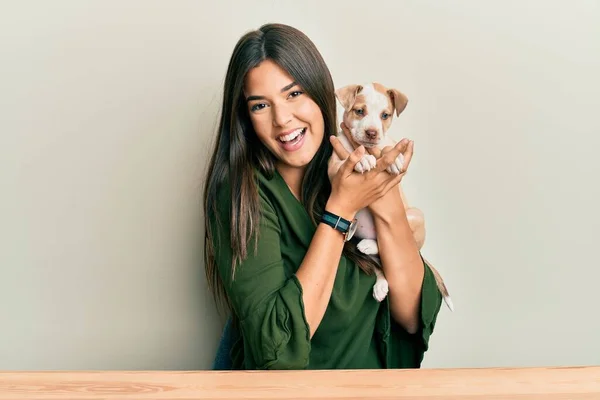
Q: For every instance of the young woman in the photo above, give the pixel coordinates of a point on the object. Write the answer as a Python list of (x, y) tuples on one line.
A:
[(299, 292)]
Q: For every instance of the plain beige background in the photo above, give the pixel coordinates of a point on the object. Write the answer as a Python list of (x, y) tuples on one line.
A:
[(107, 114)]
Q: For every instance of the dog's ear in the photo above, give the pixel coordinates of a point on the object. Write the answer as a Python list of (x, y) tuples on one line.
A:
[(347, 95), (399, 100)]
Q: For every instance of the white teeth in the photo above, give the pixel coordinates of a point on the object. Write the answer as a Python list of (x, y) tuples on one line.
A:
[(291, 136)]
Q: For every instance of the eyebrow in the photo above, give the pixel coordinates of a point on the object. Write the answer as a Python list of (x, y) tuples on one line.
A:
[(288, 87)]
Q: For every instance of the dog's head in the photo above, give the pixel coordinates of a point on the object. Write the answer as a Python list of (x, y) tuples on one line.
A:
[(369, 110)]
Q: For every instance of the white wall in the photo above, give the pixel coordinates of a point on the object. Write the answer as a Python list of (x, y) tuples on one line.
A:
[(107, 111)]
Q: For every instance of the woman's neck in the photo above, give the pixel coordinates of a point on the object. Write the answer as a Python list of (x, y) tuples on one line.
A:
[(293, 177)]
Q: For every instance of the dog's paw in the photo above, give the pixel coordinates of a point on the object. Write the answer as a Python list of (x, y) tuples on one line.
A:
[(396, 167), (380, 289), (366, 163), (368, 246)]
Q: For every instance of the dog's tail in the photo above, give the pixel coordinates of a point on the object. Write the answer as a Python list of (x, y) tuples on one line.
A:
[(441, 286)]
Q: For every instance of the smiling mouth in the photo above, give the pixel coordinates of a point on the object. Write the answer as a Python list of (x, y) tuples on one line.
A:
[(292, 137)]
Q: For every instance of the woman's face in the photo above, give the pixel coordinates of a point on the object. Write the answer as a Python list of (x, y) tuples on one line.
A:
[(285, 119)]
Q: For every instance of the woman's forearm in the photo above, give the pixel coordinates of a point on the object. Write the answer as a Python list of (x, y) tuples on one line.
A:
[(402, 266), (319, 268)]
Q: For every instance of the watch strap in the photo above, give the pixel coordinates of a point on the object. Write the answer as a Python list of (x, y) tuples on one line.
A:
[(336, 222)]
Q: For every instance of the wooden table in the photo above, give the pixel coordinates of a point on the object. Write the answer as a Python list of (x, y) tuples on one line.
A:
[(425, 384)]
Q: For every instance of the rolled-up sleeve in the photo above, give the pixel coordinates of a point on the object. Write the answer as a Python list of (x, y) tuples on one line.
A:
[(266, 299), (407, 350), (431, 302)]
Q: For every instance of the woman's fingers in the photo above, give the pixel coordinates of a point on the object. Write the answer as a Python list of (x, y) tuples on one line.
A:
[(385, 158), (344, 127), (389, 157), (392, 180), (351, 161), (376, 151), (339, 148), (408, 156)]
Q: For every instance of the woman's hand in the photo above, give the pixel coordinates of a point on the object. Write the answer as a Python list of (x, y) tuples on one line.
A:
[(352, 191), (392, 205)]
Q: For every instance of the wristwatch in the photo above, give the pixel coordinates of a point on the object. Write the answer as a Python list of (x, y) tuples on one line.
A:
[(338, 223)]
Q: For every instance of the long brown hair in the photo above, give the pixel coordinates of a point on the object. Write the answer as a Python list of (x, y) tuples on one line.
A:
[(238, 150)]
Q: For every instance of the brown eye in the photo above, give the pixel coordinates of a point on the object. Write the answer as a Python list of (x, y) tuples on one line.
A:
[(359, 111), (257, 107), (385, 116)]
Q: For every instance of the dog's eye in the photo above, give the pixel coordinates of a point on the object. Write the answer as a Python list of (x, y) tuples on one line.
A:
[(385, 116), (359, 111)]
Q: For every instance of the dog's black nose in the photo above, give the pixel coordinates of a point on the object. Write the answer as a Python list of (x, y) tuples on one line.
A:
[(371, 133)]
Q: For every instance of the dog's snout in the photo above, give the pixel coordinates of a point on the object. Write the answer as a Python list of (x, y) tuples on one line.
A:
[(371, 133)]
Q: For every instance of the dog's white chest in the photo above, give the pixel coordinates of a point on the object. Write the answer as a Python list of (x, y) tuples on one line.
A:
[(365, 226)]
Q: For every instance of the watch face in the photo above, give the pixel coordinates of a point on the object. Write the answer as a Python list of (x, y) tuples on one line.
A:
[(351, 229)]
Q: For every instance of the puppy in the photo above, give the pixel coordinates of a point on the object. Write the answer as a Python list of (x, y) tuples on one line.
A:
[(368, 113)]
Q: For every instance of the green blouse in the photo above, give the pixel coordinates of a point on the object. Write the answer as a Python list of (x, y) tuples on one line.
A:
[(356, 331)]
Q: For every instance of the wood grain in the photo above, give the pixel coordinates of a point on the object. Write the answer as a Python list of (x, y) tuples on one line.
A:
[(445, 384)]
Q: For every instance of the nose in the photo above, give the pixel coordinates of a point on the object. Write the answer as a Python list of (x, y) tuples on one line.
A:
[(281, 115), (371, 133)]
